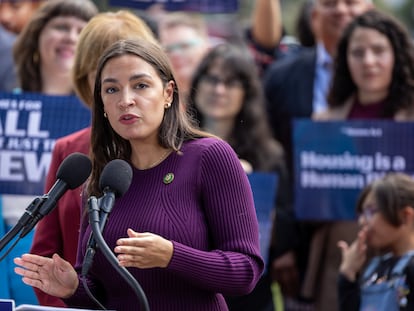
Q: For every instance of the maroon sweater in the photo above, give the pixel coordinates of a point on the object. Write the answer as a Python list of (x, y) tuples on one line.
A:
[(207, 211)]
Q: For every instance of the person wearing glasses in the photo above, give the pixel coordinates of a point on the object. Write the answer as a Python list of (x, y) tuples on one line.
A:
[(58, 232), (44, 54), (372, 79), (226, 99), (386, 219), (186, 228), (185, 40)]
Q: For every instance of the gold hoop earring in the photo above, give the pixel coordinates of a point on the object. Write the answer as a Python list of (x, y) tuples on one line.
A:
[(105, 115)]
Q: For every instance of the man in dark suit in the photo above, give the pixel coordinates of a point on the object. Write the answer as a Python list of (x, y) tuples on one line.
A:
[(296, 87)]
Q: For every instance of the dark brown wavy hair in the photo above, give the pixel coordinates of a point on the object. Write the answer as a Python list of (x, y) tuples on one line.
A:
[(176, 126), (401, 91)]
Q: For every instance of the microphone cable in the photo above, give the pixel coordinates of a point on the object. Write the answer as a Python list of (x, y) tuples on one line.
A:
[(94, 222)]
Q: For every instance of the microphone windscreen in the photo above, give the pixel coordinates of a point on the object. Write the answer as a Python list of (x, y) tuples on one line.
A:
[(74, 170), (117, 176)]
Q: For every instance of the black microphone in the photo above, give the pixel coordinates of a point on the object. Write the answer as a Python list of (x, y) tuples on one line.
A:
[(72, 172), (115, 180)]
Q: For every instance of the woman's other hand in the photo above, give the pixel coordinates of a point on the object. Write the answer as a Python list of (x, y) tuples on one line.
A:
[(144, 250)]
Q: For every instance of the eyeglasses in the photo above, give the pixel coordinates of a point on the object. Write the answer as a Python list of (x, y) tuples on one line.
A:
[(181, 46), (369, 211), (214, 81)]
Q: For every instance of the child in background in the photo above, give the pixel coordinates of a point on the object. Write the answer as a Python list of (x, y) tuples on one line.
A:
[(386, 217)]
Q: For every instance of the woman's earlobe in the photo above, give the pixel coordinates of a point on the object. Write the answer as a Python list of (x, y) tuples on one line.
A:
[(408, 215), (169, 91)]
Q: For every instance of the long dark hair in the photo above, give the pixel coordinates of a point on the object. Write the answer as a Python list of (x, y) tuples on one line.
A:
[(251, 137), (401, 91), (176, 126)]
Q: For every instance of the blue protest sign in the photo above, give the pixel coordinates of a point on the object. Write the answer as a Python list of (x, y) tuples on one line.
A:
[(333, 161), (7, 305), (29, 126), (201, 6), (264, 194)]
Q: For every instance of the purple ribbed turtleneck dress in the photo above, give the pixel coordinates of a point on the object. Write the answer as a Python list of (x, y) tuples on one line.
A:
[(207, 211)]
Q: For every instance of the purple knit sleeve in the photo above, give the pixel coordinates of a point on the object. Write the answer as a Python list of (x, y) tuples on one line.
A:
[(233, 265)]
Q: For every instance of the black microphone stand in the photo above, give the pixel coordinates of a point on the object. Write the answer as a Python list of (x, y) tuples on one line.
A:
[(24, 222), (94, 221), (105, 205)]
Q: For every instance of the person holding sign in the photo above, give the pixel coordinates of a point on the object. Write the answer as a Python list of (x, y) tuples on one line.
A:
[(186, 228), (372, 79), (58, 232), (227, 100), (386, 218)]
